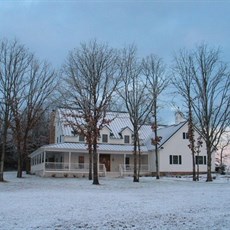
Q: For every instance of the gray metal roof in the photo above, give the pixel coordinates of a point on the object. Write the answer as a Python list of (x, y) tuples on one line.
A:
[(118, 122), (81, 147)]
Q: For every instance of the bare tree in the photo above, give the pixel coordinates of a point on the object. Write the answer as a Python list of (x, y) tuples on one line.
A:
[(25, 87), (31, 98), (212, 104), (154, 71), (14, 60), (136, 97), (91, 77), (79, 122), (182, 80)]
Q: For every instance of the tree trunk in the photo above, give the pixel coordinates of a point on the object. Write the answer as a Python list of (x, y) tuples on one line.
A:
[(156, 153), (90, 161), (4, 141), (209, 164), (20, 162), (27, 165), (221, 157), (191, 136), (139, 159), (157, 164), (2, 160), (193, 166), (198, 169), (95, 164), (135, 176)]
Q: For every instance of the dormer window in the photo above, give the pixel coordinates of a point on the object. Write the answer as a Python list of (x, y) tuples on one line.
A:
[(81, 138), (126, 139), (104, 138), (74, 132)]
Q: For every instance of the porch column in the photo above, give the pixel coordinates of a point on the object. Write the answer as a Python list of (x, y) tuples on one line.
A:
[(44, 163), (69, 160), (124, 163), (44, 157)]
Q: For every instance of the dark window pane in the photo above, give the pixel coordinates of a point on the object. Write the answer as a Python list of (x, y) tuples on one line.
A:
[(185, 135), (175, 159), (127, 160), (105, 138), (170, 159), (81, 138), (126, 139)]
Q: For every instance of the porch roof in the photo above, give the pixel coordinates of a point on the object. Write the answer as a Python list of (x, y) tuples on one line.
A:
[(82, 147)]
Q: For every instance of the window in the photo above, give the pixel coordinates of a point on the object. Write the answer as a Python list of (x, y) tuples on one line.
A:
[(104, 138), (81, 138), (74, 132), (175, 160), (185, 135), (201, 160), (127, 161), (126, 139), (81, 162)]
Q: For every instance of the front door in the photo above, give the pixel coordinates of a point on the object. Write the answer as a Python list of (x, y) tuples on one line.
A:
[(105, 159)]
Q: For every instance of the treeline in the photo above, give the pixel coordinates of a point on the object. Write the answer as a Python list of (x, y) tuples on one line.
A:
[(26, 90), (97, 78)]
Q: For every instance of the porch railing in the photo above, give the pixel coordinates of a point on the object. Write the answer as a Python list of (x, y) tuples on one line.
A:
[(127, 169), (71, 167)]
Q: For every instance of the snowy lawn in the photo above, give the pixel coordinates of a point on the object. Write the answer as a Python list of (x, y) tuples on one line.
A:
[(118, 203)]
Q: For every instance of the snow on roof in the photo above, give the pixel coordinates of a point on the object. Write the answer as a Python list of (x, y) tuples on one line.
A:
[(82, 147), (166, 133), (118, 122)]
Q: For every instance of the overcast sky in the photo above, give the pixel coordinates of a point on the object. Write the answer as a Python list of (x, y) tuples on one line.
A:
[(51, 28)]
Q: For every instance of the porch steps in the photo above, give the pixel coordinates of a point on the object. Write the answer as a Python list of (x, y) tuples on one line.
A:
[(113, 174)]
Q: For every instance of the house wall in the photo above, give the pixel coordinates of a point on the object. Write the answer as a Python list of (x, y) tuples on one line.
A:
[(176, 145), (112, 140), (116, 160), (179, 146), (71, 139), (152, 160), (60, 138)]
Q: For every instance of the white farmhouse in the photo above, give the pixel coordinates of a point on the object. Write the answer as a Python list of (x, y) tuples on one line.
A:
[(68, 155)]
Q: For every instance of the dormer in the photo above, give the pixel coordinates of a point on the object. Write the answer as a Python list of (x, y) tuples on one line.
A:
[(106, 134), (126, 134)]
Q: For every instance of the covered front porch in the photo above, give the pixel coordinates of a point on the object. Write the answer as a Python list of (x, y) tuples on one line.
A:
[(72, 160)]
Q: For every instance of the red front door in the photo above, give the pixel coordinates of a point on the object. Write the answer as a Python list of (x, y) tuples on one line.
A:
[(105, 159)]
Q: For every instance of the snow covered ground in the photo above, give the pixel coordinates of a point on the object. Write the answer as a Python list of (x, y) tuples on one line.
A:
[(118, 203)]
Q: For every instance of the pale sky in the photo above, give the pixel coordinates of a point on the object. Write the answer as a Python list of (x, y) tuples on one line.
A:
[(52, 28)]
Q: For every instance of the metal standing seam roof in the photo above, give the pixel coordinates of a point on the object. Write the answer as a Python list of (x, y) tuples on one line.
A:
[(119, 121), (81, 147)]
